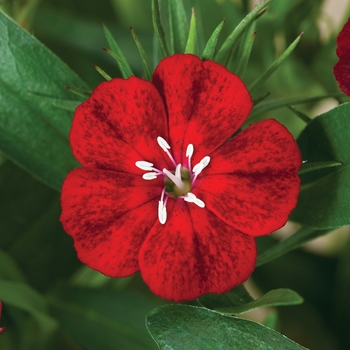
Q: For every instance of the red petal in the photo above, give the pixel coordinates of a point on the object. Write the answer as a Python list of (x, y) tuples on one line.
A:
[(108, 214), (119, 125), (194, 254), (251, 182), (342, 69), (266, 147), (205, 102)]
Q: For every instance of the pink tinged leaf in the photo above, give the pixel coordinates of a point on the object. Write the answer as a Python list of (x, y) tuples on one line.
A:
[(118, 125), (195, 253), (205, 103), (108, 214)]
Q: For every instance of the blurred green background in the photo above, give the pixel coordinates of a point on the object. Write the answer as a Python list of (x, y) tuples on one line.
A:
[(56, 303)]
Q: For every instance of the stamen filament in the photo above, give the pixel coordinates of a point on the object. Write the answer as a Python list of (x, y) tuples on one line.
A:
[(177, 181), (165, 146), (189, 153)]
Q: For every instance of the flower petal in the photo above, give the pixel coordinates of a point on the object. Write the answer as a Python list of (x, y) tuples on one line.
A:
[(119, 125), (266, 148), (342, 68), (195, 253), (108, 214), (255, 204), (205, 103)]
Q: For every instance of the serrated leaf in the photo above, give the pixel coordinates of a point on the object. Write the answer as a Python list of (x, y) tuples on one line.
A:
[(145, 62), (103, 319), (325, 203), (117, 54), (178, 25), (274, 65), (158, 28), (178, 327), (233, 37), (192, 46), (298, 239), (209, 49), (238, 301), (33, 132)]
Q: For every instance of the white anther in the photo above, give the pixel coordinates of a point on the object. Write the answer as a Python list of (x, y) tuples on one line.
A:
[(149, 176), (143, 165), (191, 198), (162, 143), (201, 165), (189, 150), (162, 214), (177, 181)]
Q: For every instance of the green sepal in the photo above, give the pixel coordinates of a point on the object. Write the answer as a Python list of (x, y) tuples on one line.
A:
[(302, 116), (283, 102), (238, 300), (158, 28), (209, 49), (145, 61), (298, 239), (245, 48), (102, 72), (260, 98), (257, 83), (117, 54), (192, 46), (307, 167), (179, 327), (178, 26), (226, 47), (77, 91)]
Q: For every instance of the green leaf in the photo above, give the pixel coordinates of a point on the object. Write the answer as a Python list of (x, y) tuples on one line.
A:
[(191, 46), (9, 269), (298, 239), (306, 167), (209, 49), (178, 25), (270, 105), (325, 202), (145, 62), (158, 28), (178, 327), (27, 299), (275, 65), (103, 319), (245, 49), (233, 37), (238, 300), (118, 55), (302, 116), (33, 132)]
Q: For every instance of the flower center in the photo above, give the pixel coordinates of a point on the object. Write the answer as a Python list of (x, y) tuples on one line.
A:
[(179, 182)]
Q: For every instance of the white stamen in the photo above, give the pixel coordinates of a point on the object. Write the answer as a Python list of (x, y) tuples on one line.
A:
[(201, 165), (178, 171), (191, 198), (189, 150), (189, 153), (165, 146), (143, 165), (162, 214), (205, 161), (162, 143), (178, 182), (149, 176)]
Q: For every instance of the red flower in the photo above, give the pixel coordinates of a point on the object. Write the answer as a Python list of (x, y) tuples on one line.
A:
[(185, 215), (1, 328), (342, 69)]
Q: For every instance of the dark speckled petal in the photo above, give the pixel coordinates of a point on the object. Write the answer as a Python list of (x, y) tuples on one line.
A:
[(195, 253), (119, 125), (108, 214), (205, 103)]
